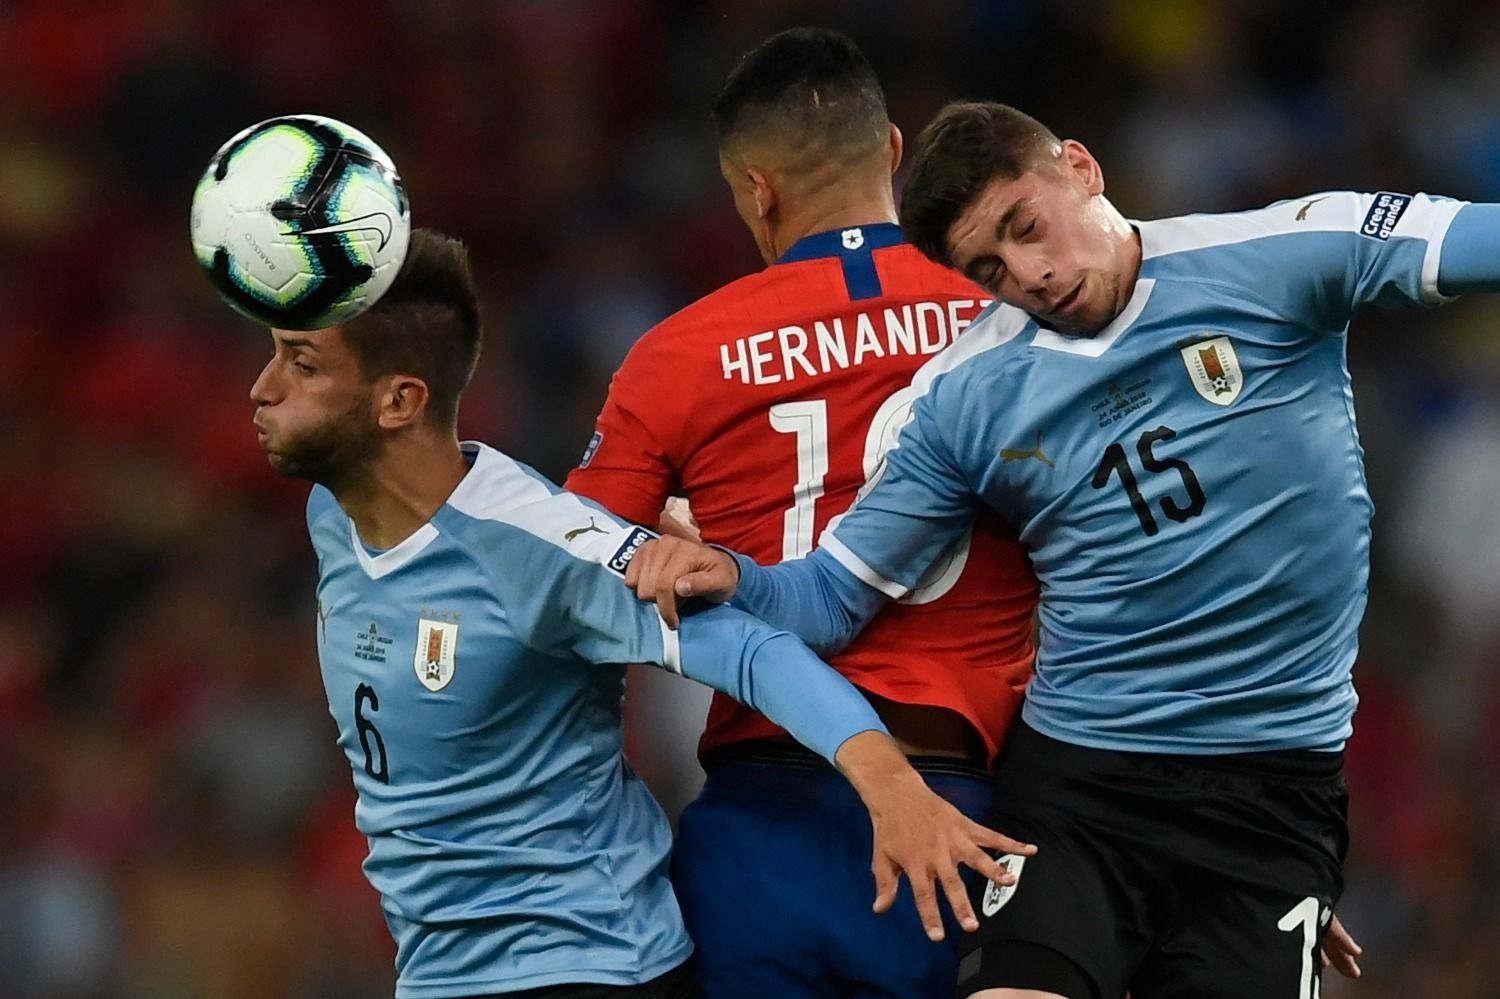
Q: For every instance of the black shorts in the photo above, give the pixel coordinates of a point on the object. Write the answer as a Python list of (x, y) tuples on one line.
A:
[(1168, 877), (679, 983)]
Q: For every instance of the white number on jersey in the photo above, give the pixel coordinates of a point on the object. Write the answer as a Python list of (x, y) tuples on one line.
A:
[(809, 422)]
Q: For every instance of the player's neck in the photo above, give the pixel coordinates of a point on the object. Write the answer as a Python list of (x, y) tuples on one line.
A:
[(400, 490), (844, 213), (1128, 239)]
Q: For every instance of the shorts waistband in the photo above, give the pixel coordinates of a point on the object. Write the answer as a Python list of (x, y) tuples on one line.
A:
[(767, 752), (1283, 764)]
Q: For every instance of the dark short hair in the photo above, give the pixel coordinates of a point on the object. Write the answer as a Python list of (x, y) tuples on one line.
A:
[(426, 324), (805, 87), (968, 145)]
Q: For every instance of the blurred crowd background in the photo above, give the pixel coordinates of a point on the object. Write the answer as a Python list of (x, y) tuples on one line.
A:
[(175, 819)]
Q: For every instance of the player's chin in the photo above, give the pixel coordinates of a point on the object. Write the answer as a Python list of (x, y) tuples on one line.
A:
[(1081, 320), (278, 462), (283, 463)]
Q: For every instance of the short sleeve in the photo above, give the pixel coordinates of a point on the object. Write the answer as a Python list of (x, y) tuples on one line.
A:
[(912, 511), (558, 564), (1313, 260)]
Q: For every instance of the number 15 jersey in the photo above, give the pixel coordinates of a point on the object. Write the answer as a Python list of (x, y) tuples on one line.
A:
[(1188, 481), (768, 403)]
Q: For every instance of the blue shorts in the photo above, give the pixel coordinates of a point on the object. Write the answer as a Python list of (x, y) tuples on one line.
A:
[(772, 869)]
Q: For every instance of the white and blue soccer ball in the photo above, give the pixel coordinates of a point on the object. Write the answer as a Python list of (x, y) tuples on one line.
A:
[(301, 222)]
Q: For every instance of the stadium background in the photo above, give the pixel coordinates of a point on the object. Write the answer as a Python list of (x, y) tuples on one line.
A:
[(174, 818)]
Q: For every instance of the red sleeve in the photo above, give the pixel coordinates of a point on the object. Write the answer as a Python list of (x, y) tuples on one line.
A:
[(627, 467)]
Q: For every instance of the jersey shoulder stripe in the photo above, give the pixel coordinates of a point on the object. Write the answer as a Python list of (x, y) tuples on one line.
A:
[(501, 490), (510, 495), (1329, 211), (1380, 216)]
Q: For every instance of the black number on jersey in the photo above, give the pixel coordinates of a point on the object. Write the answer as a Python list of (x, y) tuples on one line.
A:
[(364, 692), (1115, 460)]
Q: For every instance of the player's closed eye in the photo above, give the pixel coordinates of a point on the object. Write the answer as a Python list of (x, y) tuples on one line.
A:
[(984, 272), (303, 367)]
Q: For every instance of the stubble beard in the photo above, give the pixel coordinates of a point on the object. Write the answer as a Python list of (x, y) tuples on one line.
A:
[(336, 452)]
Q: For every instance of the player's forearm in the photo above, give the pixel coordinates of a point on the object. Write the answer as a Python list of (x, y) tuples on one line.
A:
[(875, 767), (1470, 260), (814, 598), (777, 675)]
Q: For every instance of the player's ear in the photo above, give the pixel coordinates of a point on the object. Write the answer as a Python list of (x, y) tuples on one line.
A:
[(761, 192), (1075, 159), (401, 401), (897, 145)]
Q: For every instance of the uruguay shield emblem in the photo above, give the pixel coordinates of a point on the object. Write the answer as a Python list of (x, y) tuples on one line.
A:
[(1215, 369), (437, 645), (995, 896)]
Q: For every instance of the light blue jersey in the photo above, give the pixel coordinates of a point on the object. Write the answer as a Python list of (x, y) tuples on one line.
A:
[(1188, 482), (511, 845)]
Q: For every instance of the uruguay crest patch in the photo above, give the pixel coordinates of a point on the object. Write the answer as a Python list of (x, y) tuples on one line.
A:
[(437, 652), (1215, 369)]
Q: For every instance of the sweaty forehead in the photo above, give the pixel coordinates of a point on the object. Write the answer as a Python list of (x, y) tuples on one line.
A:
[(977, 226)]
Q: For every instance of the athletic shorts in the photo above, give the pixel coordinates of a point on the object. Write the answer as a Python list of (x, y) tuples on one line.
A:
[(1167, 877), (772, 869)]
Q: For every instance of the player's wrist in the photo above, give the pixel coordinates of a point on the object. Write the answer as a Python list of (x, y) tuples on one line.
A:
[(732, 561), (874, 765)]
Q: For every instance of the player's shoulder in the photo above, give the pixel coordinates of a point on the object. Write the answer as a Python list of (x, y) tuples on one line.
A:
[(503, 500), (992, 346), (1318, 212)]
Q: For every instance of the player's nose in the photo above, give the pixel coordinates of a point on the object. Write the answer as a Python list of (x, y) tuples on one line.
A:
[(1033, 274), (262, 391)]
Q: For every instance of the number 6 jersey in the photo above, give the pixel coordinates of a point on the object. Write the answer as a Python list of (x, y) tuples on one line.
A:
[(768, 403), (474, 674)]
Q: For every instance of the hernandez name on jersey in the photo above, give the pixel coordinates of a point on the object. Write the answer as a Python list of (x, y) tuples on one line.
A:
[(768, 403)]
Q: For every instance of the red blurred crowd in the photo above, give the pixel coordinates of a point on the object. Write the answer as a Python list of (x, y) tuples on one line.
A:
[(175, 819)]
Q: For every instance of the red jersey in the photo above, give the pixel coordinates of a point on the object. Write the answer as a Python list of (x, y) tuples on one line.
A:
[(767, 404)]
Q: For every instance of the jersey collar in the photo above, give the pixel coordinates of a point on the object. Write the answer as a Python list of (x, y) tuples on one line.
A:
[(380, 564), (836, 242)]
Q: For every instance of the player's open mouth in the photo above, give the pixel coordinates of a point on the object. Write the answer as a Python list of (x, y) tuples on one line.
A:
[(1067, 302)]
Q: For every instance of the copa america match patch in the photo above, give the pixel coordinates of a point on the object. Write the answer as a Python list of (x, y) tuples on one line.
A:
[(1380, 220), (620, 560), (588, 452)]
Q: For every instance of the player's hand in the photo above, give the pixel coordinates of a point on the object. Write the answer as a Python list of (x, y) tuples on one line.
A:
[(1340, 950), (669, 569), (677, 520), (920, 834)]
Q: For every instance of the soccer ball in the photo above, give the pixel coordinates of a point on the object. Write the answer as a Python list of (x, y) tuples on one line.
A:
[(300, 222)]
